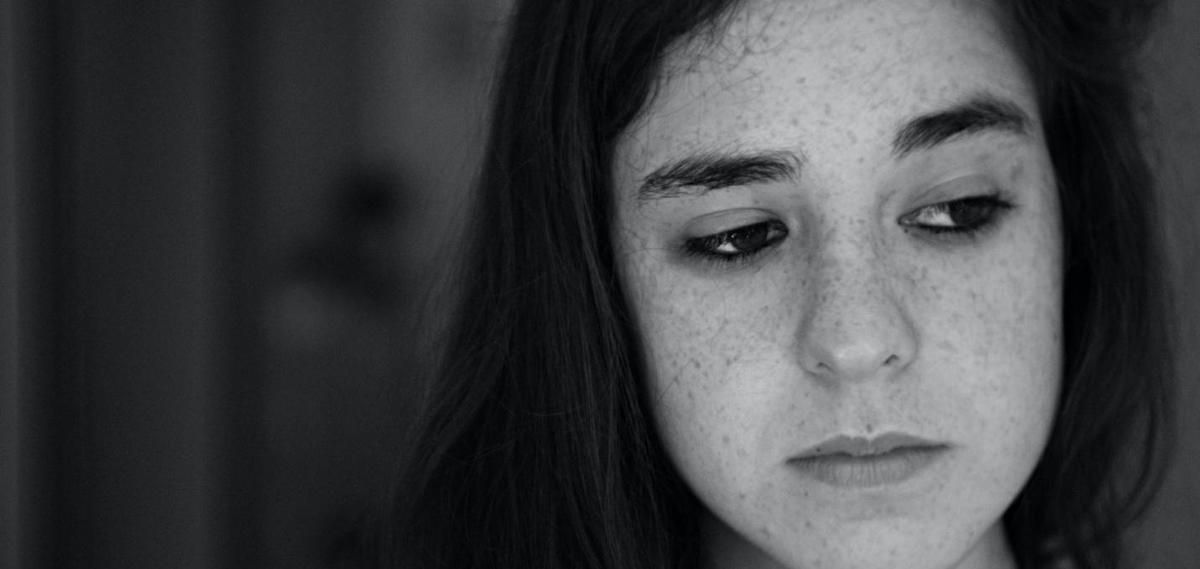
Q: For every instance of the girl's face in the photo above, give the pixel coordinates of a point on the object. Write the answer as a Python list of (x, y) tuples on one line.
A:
[(839, 231)]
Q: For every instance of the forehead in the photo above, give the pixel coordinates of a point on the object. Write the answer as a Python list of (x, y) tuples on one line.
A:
[(794, 73)]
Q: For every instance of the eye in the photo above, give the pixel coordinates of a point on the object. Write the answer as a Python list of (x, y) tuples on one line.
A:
[(737, 244), (966, 216)]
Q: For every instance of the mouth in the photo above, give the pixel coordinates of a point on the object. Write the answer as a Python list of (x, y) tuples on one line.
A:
[(858, 462)]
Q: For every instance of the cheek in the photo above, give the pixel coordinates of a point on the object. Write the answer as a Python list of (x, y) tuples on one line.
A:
[(712, 357), (997, 341)]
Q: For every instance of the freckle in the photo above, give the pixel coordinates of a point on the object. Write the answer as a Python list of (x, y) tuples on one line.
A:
[(725, 439)]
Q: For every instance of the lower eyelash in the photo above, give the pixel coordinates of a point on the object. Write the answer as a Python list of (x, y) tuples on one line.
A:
[(692, 250)]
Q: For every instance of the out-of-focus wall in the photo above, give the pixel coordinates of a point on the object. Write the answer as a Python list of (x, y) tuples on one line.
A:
[(1171, 531), (113, 183), (369, 128)]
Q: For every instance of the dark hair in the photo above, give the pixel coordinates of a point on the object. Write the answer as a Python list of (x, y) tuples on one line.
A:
[(1107, 452), (538, 448)]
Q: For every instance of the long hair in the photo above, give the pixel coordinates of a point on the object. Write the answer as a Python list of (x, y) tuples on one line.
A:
[(538, 449), (1106, 454)]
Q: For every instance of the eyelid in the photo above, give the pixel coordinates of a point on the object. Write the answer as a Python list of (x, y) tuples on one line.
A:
[(956, 187), (724, 221)]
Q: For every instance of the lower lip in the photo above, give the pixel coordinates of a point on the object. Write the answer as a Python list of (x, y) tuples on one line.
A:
[(848, 471)]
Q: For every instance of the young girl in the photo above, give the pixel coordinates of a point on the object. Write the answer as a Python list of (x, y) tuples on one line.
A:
[(810, 283)]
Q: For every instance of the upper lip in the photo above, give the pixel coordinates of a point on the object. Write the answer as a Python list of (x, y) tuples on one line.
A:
[(866, 446)]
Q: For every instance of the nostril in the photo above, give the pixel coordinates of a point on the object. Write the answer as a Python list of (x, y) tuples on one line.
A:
[(853, 364)]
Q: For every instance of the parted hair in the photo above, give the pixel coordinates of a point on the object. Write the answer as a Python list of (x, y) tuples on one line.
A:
[(537, 448)]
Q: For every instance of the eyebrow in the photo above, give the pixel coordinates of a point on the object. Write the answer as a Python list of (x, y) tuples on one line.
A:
[(981, 112), (708, 171), (700, 173)]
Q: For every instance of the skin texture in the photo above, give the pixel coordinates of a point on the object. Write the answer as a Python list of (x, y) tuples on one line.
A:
[(850, 322)]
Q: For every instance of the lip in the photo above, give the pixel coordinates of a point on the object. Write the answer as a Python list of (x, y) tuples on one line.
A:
[(860, 462)]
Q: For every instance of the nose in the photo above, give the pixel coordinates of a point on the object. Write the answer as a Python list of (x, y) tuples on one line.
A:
[(855, 326)]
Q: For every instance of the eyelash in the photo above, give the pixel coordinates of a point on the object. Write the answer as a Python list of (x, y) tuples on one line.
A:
[(706, 247), (985, 211)]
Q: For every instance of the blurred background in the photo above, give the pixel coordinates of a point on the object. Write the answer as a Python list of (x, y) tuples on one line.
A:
[(220, 223)]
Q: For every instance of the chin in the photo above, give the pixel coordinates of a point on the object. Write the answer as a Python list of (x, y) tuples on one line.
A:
[(873, 544)]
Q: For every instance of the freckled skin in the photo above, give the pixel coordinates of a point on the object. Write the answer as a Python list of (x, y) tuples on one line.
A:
[(851, 324)]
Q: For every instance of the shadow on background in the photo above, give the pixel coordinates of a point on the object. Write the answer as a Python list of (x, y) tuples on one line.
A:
[(219, 229)]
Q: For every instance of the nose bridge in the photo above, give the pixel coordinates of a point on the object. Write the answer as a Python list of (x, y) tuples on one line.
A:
[(855, 326)]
